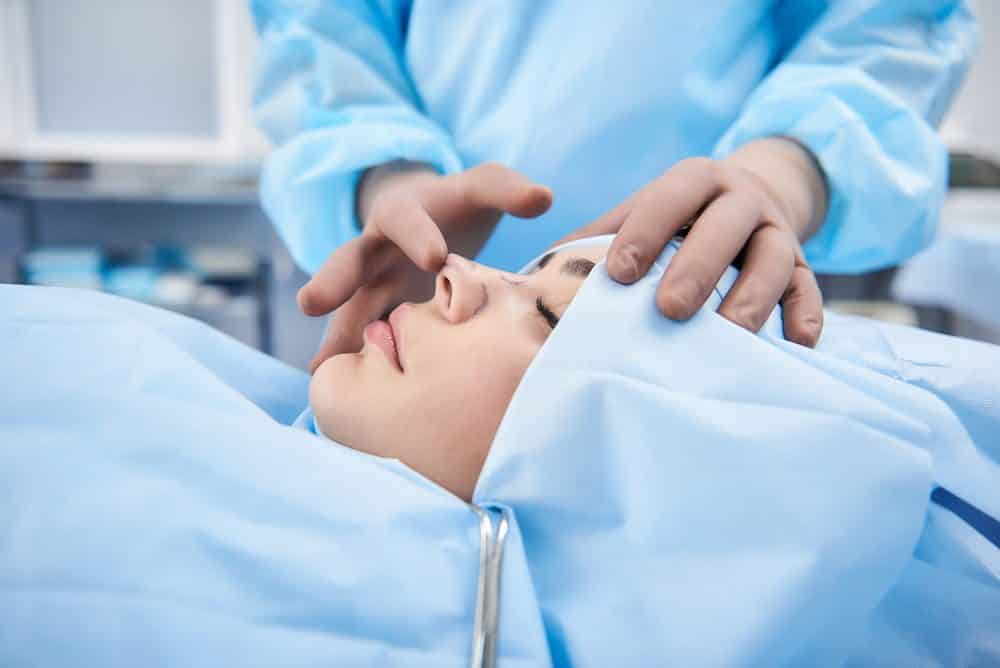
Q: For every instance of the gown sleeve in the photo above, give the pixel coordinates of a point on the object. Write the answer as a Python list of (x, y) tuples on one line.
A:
[(863, 84), (333, 94)]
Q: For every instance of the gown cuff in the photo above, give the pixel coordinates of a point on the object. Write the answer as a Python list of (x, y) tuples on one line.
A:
[(886, 170)]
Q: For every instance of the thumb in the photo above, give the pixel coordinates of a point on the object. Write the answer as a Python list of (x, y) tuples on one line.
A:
[(493, 186), (345, 327)]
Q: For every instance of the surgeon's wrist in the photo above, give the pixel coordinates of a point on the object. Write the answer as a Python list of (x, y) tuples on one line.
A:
[(792, 173), (387, 177)]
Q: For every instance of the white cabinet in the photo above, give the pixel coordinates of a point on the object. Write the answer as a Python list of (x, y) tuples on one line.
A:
[(153, 81)]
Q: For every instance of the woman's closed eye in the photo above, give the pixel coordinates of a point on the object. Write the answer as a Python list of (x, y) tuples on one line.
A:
[(574, 267), (547, 313)]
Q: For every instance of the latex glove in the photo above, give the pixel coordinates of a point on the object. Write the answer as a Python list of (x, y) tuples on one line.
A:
[(412, 218), (759, 204)]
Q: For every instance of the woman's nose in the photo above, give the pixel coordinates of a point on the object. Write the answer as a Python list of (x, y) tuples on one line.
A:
[(460, 290)]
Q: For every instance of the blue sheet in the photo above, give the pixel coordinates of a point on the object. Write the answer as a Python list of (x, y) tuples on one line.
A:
[(678, 494), (951, 272)]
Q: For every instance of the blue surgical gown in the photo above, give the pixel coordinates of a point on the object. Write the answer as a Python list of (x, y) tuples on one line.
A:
[(596, 99)]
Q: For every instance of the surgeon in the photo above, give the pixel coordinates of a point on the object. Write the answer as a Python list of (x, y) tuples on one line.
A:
[(791, 135)]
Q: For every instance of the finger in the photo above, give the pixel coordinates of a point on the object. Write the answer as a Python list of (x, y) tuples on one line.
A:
[(767, 270), (407, 224), (338, 338), (344, 331), (659, 211), (716, 237), (802, 307), (346, 269), (400, 227), (609, 223), (493, 186)]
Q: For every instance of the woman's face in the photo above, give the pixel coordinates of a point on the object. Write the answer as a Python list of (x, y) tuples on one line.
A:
[(432, 383)]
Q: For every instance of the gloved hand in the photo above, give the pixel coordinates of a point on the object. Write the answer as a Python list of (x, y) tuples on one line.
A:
[(762, 201), (412, 218)]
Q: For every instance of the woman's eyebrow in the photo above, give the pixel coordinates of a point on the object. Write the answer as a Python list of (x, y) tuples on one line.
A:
[(544, 261), (577, 266)]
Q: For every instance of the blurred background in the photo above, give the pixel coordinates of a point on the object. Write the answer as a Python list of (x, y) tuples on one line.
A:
[(129, 163)]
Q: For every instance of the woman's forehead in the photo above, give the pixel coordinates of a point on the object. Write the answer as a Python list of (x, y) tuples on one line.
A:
[(570, 260), (562, 273)]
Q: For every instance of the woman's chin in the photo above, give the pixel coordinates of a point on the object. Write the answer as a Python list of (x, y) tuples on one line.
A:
[(337, 372)]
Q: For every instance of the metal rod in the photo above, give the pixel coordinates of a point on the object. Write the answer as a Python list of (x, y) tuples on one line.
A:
[(487, 619)]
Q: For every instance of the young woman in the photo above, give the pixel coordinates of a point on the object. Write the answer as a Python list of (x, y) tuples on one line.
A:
[(433, 380)]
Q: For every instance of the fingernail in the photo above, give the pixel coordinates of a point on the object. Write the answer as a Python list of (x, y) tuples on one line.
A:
[(625, 265), (747, 315), (680, 299), (806, 331)]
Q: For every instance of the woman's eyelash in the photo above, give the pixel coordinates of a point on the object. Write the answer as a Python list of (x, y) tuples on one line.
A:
[(550, 317), (547, 313)]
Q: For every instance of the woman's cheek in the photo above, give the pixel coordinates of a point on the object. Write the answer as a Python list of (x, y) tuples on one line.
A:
[(510, 369), (322, 389), (340, 411)]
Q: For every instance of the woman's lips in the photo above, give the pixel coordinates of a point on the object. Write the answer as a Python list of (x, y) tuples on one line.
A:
[(396, 319), (379, 333)]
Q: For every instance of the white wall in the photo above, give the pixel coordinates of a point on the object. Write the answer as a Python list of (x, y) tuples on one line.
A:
[(973, 123), (92, 95)]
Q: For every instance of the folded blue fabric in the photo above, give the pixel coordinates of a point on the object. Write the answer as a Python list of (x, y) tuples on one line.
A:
[(678, 493), (690, 491)]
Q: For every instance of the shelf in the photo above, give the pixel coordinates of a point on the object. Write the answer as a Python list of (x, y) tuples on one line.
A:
[(119, 183)]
